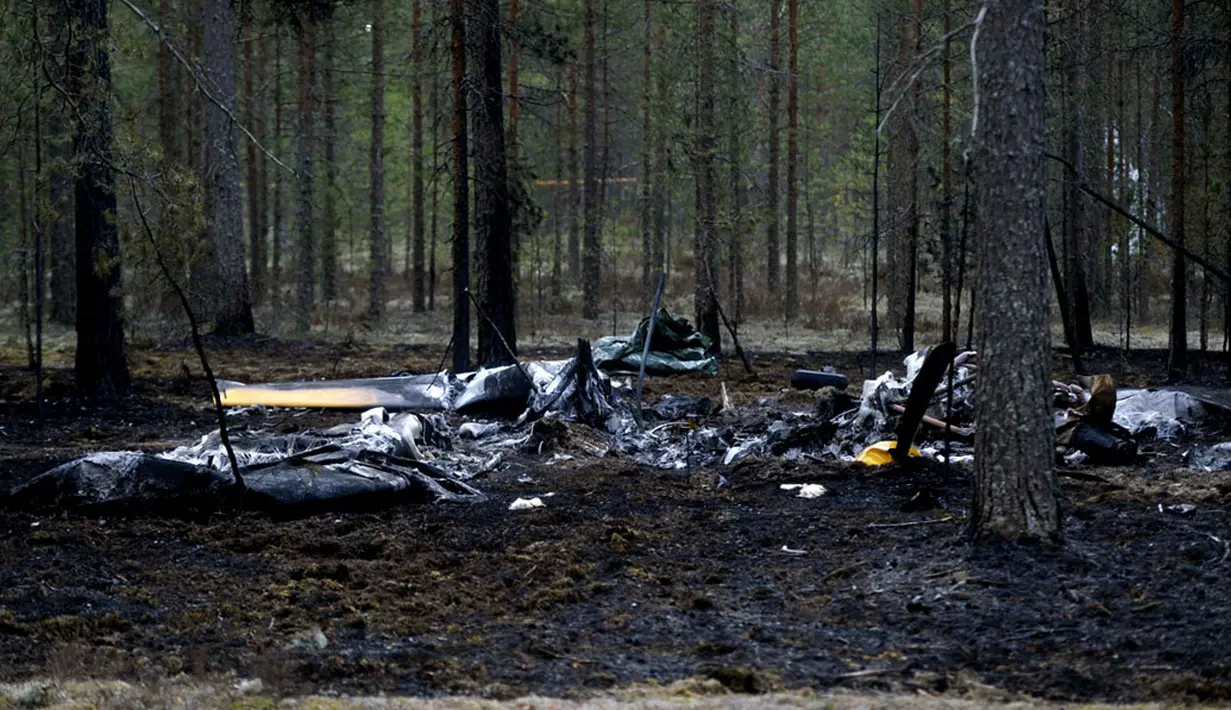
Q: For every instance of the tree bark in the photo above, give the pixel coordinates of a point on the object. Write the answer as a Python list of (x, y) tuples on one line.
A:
[(461, 193), (1015, 487), (305, 282), (493, 256), (418, 223), (559, 201), (224, 212), (706, 267), (378, 288), (101, 371), (772, 257), (1177, 364), (590, 246)]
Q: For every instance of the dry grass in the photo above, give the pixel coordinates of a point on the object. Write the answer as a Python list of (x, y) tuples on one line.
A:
[(186, 694)]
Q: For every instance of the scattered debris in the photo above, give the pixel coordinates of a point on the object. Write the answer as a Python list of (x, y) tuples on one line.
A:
[(806, 490), (527, 504), (792, 551)]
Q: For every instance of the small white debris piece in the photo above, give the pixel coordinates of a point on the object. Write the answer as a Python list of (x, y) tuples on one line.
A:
[(250, 686), (527, 504), (1076, 458), (1181, 508), (726, 399), (806, 490), (792, 551), (35, 524), (476, 430)]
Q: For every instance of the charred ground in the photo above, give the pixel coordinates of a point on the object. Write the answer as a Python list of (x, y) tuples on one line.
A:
[(628, 574)]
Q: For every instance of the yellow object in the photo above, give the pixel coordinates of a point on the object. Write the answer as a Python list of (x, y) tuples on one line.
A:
[(336, 397), (878, 454)]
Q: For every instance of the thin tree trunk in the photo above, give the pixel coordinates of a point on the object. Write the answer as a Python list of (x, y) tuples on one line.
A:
[(435, 187), (418, 222), (660, 156), (101, 371), (254, 57), (330, 270), (559, 196), (168, 111), (648, 267), (1177, 365), (461, 193), (1015, 486), (736, 157), (305, 282), (1075, 237), (279, 211), (514, 155), (378, 287), (773, 269), (792, 161), (493, 256), (946, 187), (224, 221), (574, 194), (706, 271), (590, 246)]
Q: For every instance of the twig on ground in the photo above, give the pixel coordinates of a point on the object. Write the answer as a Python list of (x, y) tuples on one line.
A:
[(912, 523)]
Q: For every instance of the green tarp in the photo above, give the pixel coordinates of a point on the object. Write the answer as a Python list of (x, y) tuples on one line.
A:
[(676, 348)]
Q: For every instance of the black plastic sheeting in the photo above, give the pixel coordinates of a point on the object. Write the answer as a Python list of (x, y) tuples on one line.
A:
[(330, 479)]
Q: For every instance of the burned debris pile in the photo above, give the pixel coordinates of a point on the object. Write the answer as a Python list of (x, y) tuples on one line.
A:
[(426, 438)]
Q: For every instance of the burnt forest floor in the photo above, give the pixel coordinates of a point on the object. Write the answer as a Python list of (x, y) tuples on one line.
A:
[(628, 575)]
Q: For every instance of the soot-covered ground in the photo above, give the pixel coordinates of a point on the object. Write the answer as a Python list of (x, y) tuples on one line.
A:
[(628, 574)]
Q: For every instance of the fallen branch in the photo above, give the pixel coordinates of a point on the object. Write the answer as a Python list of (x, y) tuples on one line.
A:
[(1154, 232), (912, 523), (196, 342), (962, 432)]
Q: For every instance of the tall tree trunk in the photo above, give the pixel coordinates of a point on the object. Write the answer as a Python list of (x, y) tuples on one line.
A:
[(168, 111), (903, 190), (1177, 365), (254, 57), (418, 223), (435, 187), (706, 267), (101, 371), (773, 269), (559, 202), (647, 143), (734, 128), (513, 147), (330, 271), (1015, 486), (1074, 233), (279, 209), (1153, 185), (305, 263), (63, 250), (574, 177), (493, 256), (946, 187), (224, 220), (792, 160), (659, 196), (590, 246), (461, 193), (378, 289)]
